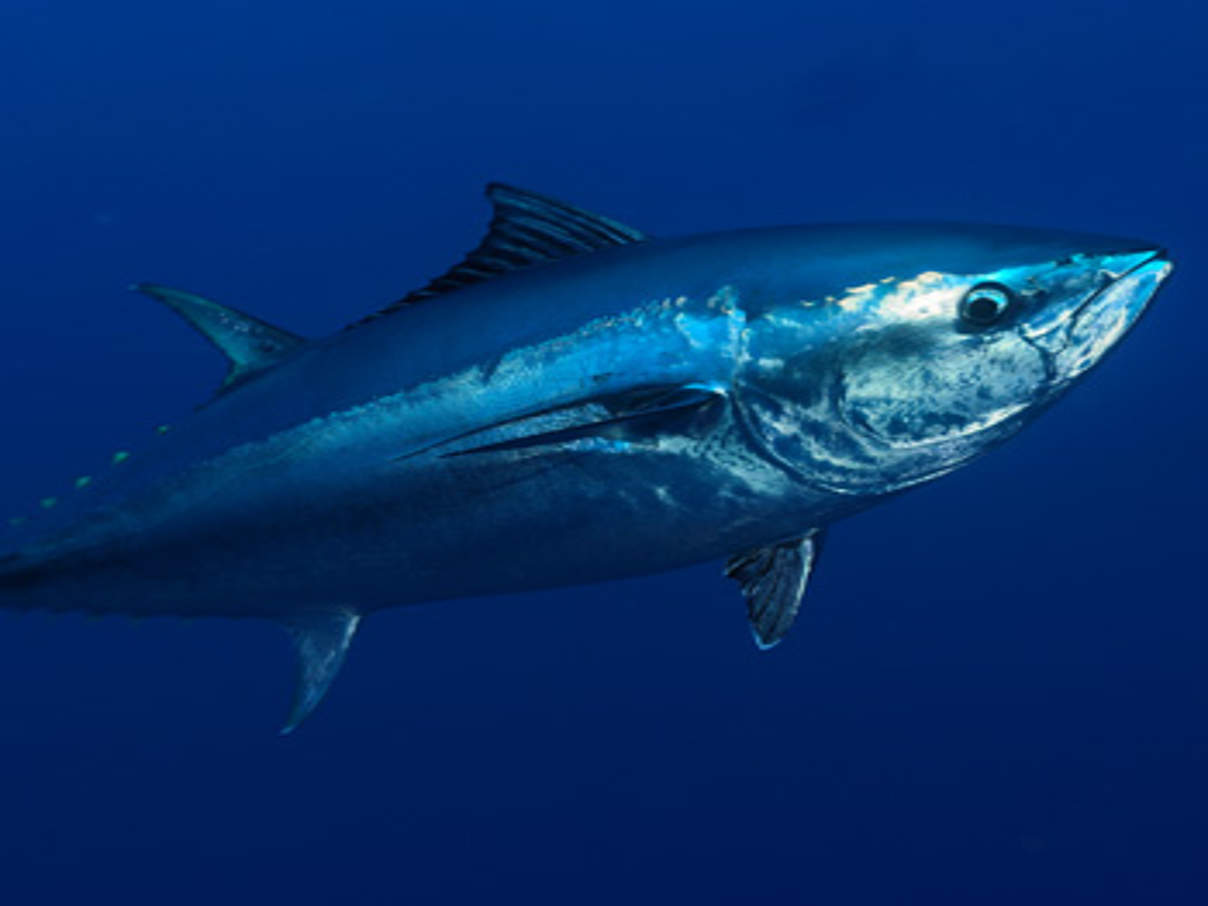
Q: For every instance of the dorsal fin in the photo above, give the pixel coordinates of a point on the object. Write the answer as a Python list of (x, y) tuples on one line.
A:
[(526, 229), (249, 344)]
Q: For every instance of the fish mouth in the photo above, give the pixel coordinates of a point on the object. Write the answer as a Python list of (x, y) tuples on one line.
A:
[(1103, 319)]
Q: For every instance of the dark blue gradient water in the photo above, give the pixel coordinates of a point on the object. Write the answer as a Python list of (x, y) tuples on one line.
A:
[(996, 692)]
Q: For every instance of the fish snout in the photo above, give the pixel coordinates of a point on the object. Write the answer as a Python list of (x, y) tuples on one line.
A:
[(1103, 319)]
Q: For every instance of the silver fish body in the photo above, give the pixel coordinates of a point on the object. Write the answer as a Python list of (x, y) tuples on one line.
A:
[(577, 402)]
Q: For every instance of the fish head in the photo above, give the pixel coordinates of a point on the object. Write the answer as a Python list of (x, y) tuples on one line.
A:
[(908, 374)]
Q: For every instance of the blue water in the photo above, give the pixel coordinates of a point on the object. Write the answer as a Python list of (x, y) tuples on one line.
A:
[(996, 692)]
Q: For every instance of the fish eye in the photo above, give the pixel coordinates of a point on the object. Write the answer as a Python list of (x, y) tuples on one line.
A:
[(984, 304)]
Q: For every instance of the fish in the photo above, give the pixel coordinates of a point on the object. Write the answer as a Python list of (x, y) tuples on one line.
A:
[(576, 402)]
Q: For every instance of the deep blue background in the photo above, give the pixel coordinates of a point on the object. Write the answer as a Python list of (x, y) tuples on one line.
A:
[(997, 691)]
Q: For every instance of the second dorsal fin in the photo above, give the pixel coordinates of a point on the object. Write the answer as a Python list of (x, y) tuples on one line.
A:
[(526, 229), (249, 344)]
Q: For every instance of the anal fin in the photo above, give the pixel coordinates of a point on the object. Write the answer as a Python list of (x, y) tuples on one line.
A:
[(773, 581), (321, 640)]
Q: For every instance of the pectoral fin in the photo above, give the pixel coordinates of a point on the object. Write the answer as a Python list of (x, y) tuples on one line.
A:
[(635, 417), (321, 641), (773, 580)]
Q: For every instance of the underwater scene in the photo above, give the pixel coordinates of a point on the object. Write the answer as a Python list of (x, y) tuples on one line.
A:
[(632, 453)]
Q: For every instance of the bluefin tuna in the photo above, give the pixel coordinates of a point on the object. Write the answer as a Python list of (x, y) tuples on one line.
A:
[(576, 402)]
